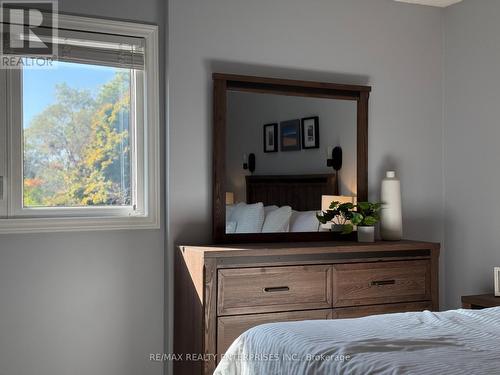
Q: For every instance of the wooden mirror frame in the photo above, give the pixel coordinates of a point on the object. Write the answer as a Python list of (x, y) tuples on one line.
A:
[(222, 83)]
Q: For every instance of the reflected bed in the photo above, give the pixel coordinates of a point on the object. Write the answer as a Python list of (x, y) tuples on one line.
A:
[(277, 204)]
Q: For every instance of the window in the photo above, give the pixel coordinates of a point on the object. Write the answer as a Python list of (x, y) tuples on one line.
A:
[(76, 134), (79, 138)]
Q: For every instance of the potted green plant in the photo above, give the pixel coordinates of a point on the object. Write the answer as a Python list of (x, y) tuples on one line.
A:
[(366, 216), (340, 215), (344, 216)]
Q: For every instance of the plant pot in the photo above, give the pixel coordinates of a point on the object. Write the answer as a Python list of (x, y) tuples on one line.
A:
[(366, 234), (337, 228)]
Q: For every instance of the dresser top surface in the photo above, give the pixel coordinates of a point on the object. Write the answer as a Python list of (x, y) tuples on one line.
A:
[(309, 248)]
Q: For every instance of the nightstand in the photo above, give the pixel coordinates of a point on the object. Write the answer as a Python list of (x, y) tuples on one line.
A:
[(481, 301)]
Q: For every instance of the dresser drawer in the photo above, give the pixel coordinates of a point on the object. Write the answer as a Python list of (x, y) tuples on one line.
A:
[(230, 327), (378, 283), (271, 289), (358, 312)]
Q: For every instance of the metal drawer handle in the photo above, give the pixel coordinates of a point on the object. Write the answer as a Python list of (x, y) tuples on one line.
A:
[(383, 282), (277, 289)]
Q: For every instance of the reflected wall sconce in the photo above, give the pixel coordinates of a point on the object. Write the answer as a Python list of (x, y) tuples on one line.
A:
[(249, 162), (334, 158), (335, 161)]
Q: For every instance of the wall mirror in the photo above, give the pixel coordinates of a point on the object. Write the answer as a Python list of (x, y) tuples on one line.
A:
[(282, 151)]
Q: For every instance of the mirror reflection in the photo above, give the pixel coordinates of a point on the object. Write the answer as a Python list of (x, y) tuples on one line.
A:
[(287, 158)]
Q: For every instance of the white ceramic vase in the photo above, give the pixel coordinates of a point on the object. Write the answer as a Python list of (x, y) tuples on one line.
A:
[(391, 221), (366, 234)]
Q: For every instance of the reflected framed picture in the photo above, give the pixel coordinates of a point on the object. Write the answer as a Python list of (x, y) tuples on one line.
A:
[(290, 135), (310, 132), (271, 137)]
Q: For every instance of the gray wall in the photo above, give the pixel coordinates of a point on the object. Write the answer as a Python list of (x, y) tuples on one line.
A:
[(471, 152), (85, 303), (248, 112)]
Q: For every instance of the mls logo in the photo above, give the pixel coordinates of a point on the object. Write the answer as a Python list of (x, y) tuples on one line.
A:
[(28, 28)]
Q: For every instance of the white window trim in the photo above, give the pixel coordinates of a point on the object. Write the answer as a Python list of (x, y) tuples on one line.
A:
[(146, 217)]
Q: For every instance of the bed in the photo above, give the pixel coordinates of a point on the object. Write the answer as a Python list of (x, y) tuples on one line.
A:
[(452, 342)]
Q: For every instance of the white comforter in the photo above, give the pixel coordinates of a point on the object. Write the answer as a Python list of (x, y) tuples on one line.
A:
[(453, 342)]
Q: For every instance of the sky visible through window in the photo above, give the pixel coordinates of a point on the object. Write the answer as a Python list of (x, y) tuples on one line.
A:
[(39, 84)]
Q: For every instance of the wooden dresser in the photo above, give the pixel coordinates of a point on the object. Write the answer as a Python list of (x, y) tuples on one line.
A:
[(221, 291)]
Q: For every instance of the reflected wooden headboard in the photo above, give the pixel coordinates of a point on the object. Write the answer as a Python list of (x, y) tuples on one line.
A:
[(301, 192)]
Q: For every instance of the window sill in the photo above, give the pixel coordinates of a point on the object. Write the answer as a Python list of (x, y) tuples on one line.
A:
[(76, 224)]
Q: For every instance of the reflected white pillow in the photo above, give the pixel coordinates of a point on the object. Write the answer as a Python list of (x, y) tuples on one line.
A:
[(268, 209), (248, 217), (304, 221), (277, 220), (230, 223), (229, 212), (230, 227)]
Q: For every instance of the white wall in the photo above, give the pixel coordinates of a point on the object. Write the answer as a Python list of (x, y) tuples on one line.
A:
[(471, 152), (248, 112), (89, 302), (395, 47)]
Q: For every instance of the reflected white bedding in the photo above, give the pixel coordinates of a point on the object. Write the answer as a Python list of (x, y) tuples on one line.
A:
[(452, 342), (255, 218)]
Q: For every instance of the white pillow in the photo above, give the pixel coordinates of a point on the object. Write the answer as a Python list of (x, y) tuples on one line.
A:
[(248, 217), (268, 209), (277, 220), (304, 221)]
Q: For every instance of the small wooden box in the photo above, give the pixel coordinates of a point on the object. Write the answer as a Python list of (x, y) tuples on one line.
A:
[(481, 301)]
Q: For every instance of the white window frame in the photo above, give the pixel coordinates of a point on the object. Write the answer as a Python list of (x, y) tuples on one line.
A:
[(14, 218)]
